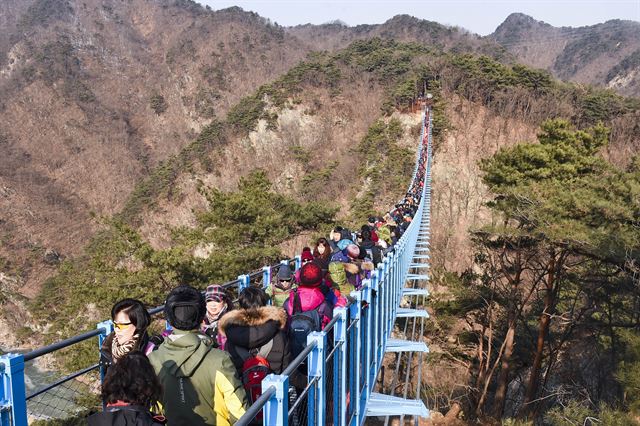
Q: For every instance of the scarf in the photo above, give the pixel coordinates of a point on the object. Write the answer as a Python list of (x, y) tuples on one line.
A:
[(212, 323), (120, 349), (280, 285)]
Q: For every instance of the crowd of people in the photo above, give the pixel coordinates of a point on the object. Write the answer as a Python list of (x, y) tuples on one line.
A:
[(207, 367)]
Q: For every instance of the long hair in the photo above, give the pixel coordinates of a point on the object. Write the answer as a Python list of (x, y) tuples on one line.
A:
[(327, 249), (133, 380)]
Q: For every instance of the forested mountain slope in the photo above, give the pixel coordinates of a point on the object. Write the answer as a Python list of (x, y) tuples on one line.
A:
[(606, 54), (94, 94)]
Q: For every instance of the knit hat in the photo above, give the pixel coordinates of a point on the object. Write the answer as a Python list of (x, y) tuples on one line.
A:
[(306, 254), (310, 275), (185, 308), (353, 251), (215, 292), (342, 244), (284, 273)]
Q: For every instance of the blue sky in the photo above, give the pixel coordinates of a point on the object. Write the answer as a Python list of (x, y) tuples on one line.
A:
[(481, 17)]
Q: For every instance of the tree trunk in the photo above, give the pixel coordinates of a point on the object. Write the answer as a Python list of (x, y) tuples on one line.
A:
[(505, 366), (543, 330), (503, 378)]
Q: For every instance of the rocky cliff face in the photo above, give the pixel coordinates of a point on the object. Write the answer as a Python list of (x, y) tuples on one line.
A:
[(94, 94), (606, 54)]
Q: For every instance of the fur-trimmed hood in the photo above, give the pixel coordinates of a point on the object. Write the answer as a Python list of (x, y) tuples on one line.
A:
[(252, 318)]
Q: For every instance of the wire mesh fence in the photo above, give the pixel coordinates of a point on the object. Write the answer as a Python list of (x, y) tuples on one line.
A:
[(329, 382), (351, 362), (299, 399), (54, 400)]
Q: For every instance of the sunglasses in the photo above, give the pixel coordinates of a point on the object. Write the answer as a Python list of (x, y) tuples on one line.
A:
[(121, 325)]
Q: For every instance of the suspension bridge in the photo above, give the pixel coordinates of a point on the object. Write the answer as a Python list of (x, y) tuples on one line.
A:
[(346, 362)]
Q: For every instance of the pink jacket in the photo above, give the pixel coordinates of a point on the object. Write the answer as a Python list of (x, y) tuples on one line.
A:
[(311, 298)]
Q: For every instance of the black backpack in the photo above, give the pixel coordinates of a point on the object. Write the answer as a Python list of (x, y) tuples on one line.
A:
[(301, 324)]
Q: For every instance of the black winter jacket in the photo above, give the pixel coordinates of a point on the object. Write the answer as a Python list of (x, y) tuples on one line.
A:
[(253, 328), (130, 415), (375, 251)]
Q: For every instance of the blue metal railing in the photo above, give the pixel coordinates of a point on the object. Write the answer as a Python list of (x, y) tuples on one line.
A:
[(345, 368), (360, 335)]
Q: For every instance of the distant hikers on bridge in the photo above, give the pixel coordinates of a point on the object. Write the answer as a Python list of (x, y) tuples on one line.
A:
[(207, 367)]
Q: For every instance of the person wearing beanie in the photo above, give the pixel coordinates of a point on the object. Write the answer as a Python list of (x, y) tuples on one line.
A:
[(349, 269), (218, 304), (305, 257), (279, 290), (201, 386), (312, 293)]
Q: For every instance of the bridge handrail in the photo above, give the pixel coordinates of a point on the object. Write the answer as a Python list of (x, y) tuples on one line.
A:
[(31, 355), (368, 358)]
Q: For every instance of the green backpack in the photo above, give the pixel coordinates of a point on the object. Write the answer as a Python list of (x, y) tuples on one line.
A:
[(339, 277), (384, 233)]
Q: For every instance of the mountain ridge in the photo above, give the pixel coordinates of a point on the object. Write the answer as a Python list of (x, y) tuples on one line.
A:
[(605, 54)]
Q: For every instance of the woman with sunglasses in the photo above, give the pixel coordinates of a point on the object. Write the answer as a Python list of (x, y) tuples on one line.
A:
[(130, 321)]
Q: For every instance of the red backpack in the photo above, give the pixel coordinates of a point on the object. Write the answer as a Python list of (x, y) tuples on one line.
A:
[(255, 368)]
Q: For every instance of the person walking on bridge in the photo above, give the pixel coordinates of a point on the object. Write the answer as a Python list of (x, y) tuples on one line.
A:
[(201, 386)]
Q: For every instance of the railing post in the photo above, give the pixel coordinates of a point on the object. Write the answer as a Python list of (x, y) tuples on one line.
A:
[(276, 410), (245, 281), (316, 407), (389, 296), (366, 346), (384, 289), (106, 328), (355, 313), (266, 276), (340, 366), (5, 406), (13, 403), (374, 312)]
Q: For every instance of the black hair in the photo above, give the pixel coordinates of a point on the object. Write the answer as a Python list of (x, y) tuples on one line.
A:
[(252, 297), (345, 234), (185, 308), (338, 229), (136, 311), (366, 234), (133, 380), (363, 253)]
